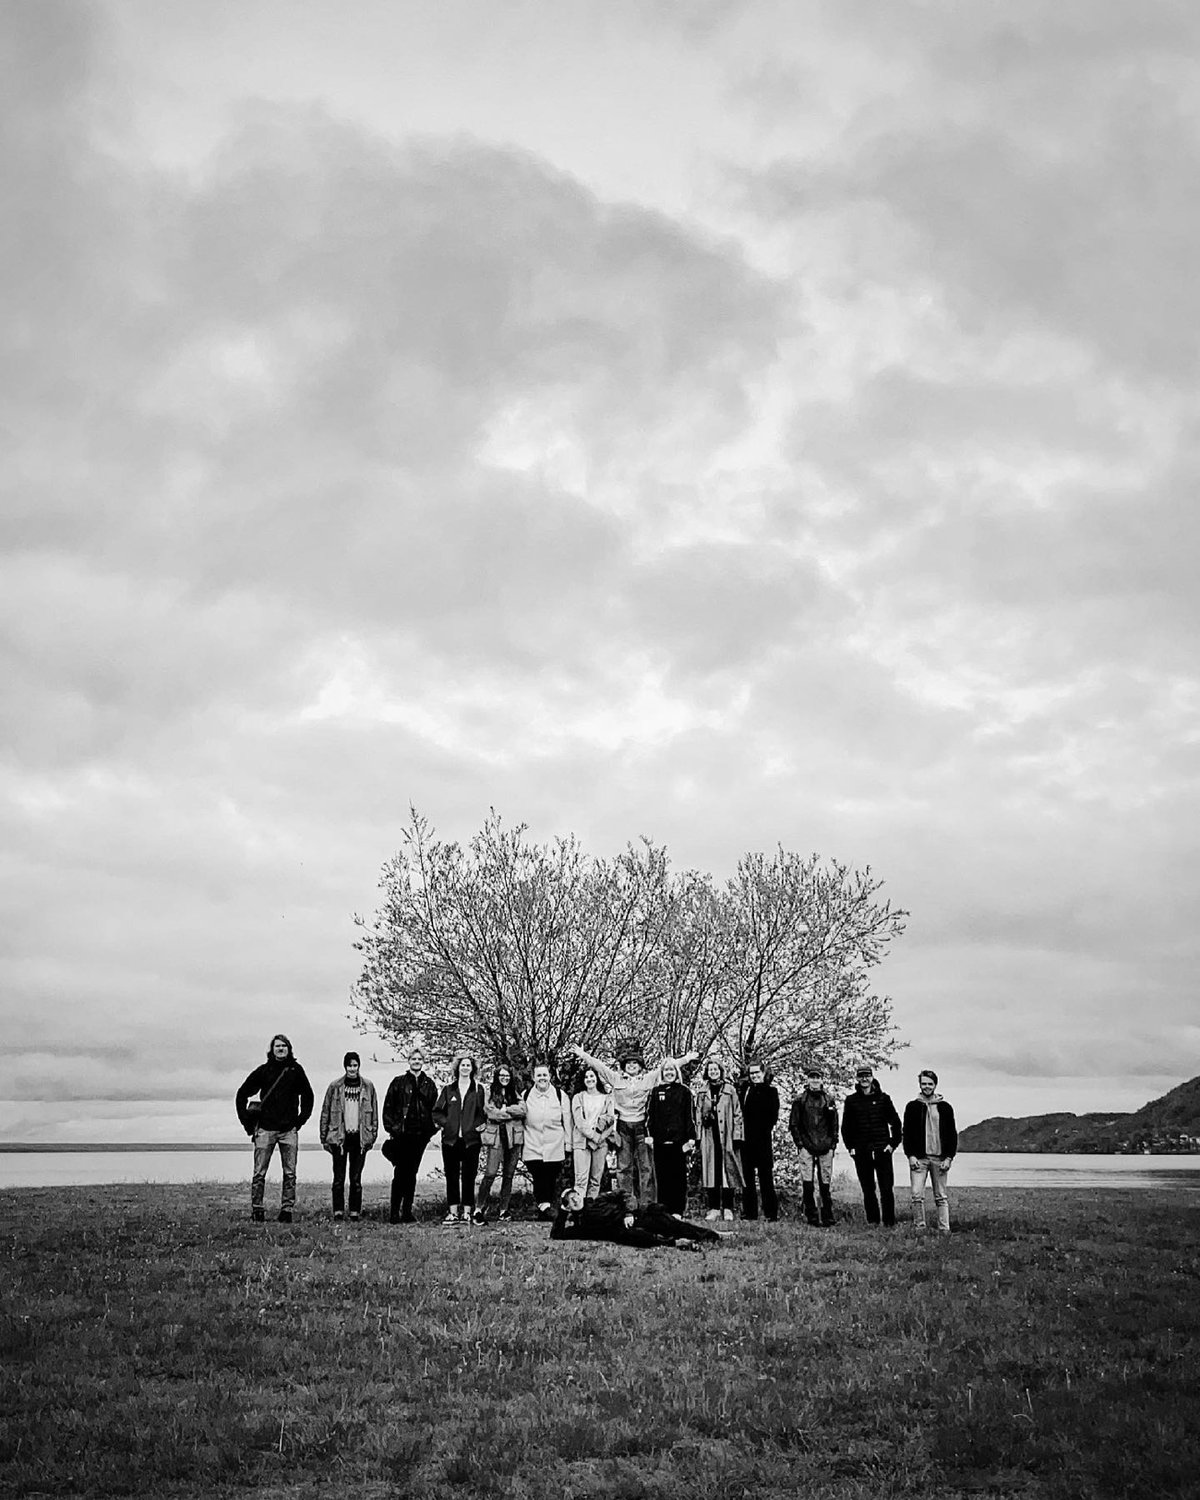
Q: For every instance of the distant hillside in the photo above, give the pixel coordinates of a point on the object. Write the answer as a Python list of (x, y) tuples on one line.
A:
[(1169, 1124)]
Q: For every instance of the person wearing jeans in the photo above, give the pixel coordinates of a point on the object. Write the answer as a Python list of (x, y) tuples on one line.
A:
[(284, 1104), (349, 1126), (631, 1088), (871, 1132), (813, 1126), (503, 1135), (930, 1143)]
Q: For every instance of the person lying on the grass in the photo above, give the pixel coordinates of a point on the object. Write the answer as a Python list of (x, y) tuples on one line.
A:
[(608, 1217)]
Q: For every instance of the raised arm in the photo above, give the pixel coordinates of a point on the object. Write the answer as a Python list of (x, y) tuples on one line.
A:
[(609, 1075)]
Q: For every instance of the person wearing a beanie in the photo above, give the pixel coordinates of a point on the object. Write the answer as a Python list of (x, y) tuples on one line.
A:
[(930, 1143), (349, 1126), (813, 1126), (275, 1118), (871, 1132), (760, 1113)]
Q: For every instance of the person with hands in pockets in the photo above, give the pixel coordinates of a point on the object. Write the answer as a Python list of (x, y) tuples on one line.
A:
[(930, 1143)]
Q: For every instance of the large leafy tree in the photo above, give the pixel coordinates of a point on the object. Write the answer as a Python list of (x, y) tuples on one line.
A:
[(513, 950)]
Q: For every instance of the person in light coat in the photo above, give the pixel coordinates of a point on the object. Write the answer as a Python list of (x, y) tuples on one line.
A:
[(720, 1131), (349, 1127), (594, 1122), (549, 1137)]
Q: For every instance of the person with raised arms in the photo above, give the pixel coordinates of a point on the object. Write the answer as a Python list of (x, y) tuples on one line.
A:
[(631, 1086)]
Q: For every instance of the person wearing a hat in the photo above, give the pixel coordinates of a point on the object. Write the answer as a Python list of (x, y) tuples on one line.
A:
[(813, 1126), (930, 1143), (349, 1125), (631, 1088), (871, 1132)]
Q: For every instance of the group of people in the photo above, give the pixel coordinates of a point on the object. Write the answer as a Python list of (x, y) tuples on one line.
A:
[(646, 1122)]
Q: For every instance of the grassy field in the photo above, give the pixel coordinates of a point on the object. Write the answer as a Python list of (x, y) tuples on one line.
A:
[(154, 1341)]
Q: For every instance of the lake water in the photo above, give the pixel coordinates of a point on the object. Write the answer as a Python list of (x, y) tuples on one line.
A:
[(971, 1169)]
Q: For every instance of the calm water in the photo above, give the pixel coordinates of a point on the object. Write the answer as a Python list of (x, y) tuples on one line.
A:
[(94, 1168)]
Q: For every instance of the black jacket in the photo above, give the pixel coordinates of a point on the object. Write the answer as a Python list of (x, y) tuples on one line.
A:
[(760, 1113), (669, 1114), (914, 1129), (408, 1106), (458, 1118), (870, 1121), (286, 1094), (812, 1123)]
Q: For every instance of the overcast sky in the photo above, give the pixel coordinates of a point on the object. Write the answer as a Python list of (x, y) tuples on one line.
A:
[(737, 424)]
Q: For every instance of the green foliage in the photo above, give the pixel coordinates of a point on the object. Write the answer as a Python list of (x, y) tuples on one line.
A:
[(516, 951), (153, 1341)]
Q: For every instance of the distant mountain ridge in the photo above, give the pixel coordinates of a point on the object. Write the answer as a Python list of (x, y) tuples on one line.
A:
[(1170, 1124)]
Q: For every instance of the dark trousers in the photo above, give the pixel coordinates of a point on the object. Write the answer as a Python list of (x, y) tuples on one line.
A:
[(759, 1162), (670, 1175), (461, 1161), (351, 1155), (407, 1163), (544, 1175), (872, 1166)]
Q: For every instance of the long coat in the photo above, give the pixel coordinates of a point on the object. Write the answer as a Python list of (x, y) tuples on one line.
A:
[(729, 1123)]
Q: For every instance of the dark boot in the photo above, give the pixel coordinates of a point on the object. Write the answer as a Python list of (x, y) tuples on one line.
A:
[(394, 1209), (257, 1215), (826, 1206), (810, 1204)]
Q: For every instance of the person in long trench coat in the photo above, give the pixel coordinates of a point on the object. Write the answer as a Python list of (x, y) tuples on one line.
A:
[(719, 1130)]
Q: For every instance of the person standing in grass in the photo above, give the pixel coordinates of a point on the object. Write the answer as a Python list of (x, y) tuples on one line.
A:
[(631, 1087), (408, 1120), (718, 1113), (594, 1126), (349, 1125), (460, 1114), (276, 1118), (871, 1132), (671, 1131), (760, 1112), (930, 1143), (549, 1136), (503, 1135), (813, 1126)]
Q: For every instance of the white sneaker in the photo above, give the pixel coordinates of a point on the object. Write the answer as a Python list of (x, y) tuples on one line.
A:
[(451, 1216), (713, 1213), (728, 1214)]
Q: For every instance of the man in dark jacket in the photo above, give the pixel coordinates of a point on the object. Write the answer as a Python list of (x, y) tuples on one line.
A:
[(408, 1120), (285, 1101), (813, 1125), (609, 1217), (871, 1132), (760, 1112), (930, 1143)]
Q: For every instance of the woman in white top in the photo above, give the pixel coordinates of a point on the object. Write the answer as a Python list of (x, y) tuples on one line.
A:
[(595, 1126), (548, 1138)]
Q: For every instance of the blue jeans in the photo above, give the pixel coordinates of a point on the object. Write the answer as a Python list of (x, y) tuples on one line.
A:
[(265, 1142)]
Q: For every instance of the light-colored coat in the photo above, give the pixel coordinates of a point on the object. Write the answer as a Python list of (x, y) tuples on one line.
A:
[(549, 1135), (333, 1130), (729, 1122), (603, 1128)]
